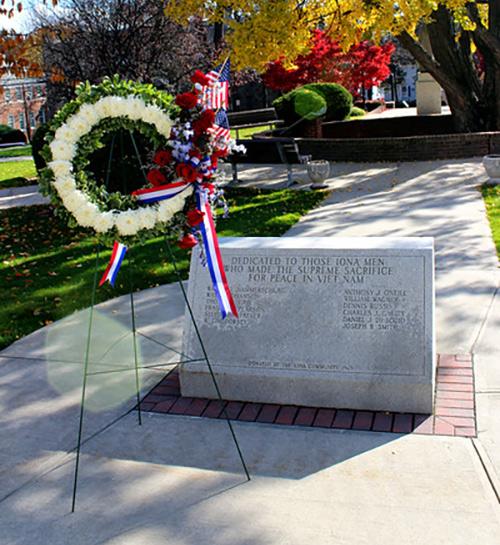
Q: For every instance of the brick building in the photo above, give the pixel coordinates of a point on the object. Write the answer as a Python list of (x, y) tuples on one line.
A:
[(22, 103)]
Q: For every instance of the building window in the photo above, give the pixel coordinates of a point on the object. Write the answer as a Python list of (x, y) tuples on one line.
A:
[(32, 120), (39, 90), (21, 122), (29, 93), (19, 94), (11, 121), (42, 115), (8, 96)]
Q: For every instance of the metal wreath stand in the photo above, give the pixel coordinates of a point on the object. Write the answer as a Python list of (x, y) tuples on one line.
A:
[(137, 366)]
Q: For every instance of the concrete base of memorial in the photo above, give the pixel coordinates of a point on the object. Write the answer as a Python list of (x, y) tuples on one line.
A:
[(309, 390), (324, 322)]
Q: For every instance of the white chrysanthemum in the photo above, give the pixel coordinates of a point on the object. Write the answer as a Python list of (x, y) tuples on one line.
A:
[(60, 168), (62, 151), (135, 108), (104, 222), (88, 113), (163, 126), (74, 200), (64, 185), (147, 217), (153, 114), (86, 215), (127, 223), (66, 134), (79, 125), (101, 108), (169, 207)]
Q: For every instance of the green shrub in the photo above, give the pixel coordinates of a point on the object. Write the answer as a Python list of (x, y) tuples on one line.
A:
[(37, 143), (357, 112), (338, 99), (285, 108), (338, 102), (8, 135), (308, 104)]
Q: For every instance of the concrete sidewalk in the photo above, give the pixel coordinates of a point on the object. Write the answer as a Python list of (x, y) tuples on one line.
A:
[(177, 480), (16, 159), (21, 196)]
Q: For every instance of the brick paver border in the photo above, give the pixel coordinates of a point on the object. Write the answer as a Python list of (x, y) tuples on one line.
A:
[(454, 411)]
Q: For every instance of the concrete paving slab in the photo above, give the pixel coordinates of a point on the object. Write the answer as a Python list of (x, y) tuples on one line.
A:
[(177, 481), (41, 377)]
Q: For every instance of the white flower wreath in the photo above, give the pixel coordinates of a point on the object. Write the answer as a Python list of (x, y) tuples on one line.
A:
[(64, 149)]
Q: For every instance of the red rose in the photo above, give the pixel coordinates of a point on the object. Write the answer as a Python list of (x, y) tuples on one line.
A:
[(221, 152), (195, 217), (188, 241), (162, 157), (186, 172), (186, 101), (155, 177), (204, 122), (199, 77), (208, 118)]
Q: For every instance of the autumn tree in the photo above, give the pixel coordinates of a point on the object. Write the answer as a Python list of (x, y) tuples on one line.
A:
[(260, 32), (91, 39), (361, 67)]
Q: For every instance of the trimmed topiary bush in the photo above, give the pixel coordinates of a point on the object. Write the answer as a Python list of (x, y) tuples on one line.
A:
[(8, 135), (308, 104), (285, 108), (37, 143), (338, 102), (357, 112), (338, 99)]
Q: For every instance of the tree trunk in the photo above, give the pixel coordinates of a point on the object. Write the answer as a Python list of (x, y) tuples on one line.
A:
[(489, 46), (474, 103)]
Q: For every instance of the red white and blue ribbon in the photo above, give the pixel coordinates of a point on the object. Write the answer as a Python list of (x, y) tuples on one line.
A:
[(160, 192), (117, 255), (213, 257)]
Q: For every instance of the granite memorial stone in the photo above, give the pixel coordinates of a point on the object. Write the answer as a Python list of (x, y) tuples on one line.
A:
[(323, 322)]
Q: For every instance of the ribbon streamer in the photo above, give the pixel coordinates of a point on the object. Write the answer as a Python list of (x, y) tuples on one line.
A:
[(214, 258), (111, 272), (160, 192)]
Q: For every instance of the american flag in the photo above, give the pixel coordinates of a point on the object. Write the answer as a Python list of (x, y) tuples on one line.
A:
[(221, 129), (216, 94)]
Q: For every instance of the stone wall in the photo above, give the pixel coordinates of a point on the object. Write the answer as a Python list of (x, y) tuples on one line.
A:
[(408, 148)]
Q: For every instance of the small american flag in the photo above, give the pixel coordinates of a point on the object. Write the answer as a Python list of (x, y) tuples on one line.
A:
[(216, 94)]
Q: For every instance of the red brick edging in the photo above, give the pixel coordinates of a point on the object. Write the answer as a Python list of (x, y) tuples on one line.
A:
[(454, 411)]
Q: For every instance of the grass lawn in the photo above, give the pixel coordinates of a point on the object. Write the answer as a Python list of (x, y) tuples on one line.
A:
[(46, 269), (492, 199), (247, 133), (17, 173), (16, 151)]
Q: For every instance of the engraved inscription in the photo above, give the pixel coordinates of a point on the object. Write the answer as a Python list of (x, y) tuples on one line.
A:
[(315, 311), (309, 270)]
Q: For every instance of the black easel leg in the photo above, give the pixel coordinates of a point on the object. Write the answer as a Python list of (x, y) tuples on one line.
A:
[(84, 385), (205, 355), (136, 364)]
